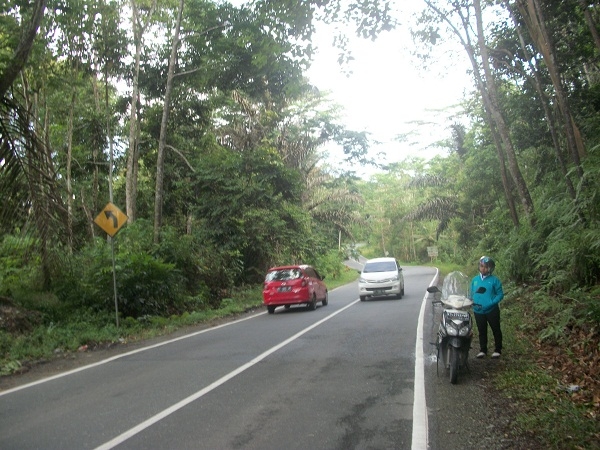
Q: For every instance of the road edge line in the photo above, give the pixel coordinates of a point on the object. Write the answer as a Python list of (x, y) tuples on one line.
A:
[(420, 430)]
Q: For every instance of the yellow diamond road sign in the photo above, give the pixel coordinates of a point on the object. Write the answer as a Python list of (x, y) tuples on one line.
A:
[(111, 219)]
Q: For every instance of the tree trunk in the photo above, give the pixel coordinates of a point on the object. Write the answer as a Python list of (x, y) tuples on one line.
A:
[(132, 155), (465, 41), (545, 105), (139, 26), (506, 184), (162, 141), (492, 100), (39, 168), (68, 174), (95, 152), (18, 60), (591, 23), (534, 20)]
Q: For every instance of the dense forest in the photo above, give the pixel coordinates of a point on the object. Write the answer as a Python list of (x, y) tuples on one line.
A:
[(197, 120)]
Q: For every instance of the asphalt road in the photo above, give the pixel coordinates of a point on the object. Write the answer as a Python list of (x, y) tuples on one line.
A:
[(340, 377)]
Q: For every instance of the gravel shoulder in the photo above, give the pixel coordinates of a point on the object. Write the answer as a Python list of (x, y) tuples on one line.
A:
[(471, 413)]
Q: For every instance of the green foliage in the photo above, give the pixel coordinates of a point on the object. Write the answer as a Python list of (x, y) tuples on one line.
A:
[(255, 218), (5, 342), (517, 256), (145, 285), (19, 264), (330, 264), (80, 329), (542, 405)]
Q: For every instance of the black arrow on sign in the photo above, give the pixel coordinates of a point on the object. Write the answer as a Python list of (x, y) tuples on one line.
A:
[(110, 214)]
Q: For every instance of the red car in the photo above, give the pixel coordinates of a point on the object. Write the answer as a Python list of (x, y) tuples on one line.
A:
[(294, 285)]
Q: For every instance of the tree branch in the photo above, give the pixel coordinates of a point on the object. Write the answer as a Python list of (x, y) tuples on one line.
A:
[(21, 54), (182, 157)]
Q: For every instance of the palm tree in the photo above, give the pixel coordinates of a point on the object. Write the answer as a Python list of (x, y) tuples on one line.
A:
[(27, 181)]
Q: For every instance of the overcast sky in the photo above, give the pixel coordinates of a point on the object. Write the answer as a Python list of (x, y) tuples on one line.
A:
[(389, 94)]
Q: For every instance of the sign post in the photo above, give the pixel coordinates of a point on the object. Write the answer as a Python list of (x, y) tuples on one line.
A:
[(111, 219), (432, 252)]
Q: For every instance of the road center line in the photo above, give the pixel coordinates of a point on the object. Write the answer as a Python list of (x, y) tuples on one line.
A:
[(156, 418)]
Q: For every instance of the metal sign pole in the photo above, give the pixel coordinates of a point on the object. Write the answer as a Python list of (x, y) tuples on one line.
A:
[(111, 219), (112, 248), (110, 197)]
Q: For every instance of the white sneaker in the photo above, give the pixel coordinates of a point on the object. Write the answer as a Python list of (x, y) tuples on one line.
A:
[(480, 355), (496, 355)]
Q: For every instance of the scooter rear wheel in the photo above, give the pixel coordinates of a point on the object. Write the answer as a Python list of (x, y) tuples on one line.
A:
[(454, 363)]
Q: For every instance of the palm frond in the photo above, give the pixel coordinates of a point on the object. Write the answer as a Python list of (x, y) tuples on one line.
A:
[(439, 208), (27, 178), (428, 180)]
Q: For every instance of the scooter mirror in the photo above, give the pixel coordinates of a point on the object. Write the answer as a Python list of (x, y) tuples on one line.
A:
[(433, 289), (480, 290)]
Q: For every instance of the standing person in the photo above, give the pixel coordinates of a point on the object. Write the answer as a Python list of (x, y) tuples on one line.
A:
[(487, 311)]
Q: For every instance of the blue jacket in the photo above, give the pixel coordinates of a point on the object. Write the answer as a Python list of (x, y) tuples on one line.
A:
[(491, 297)]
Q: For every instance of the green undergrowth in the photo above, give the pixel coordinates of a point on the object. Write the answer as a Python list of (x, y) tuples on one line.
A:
[(532, 379), (56, 331)]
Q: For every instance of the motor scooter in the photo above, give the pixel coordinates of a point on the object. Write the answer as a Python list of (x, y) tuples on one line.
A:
[(456, 326)]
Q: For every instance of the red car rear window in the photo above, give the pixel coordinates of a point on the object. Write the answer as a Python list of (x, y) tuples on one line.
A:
[(284, 275)]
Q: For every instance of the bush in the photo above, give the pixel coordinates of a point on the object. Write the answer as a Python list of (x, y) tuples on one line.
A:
[(145, 286), (330, 264), (19, 264), (76, 275)]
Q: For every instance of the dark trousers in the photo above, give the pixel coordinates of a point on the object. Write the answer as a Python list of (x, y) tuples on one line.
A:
[(493, 319)]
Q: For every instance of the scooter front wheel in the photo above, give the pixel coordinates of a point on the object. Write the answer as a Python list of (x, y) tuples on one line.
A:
[(454, 363)]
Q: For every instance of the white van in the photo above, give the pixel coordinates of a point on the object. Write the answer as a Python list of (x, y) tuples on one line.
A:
[(381, 276)]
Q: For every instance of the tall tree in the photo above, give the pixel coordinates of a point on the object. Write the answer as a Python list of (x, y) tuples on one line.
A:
[(162, 141), (31, 15), (473, 42), (532, 63), (141, 16), (533, 15), (27, 178), (588, 7), (490, 96)]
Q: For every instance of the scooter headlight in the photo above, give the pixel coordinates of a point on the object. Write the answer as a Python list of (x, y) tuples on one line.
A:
[(452, 330)]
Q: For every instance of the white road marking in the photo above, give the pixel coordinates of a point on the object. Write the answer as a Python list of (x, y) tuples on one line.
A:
[(154, 419), (123, 355), (420, 427)]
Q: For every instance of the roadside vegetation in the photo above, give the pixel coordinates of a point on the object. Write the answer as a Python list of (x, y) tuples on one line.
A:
[(218, 157), (550, 377)]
